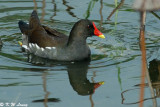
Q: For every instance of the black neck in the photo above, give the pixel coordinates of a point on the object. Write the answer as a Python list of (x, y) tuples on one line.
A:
[(76, 36)]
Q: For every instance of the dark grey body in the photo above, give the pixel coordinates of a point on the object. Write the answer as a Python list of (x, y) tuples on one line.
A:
[(68, 48)]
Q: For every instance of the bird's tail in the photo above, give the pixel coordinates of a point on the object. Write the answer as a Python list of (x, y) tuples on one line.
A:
[(34, 20)]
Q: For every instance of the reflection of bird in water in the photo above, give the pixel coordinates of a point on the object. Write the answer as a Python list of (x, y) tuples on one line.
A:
[(1, 42), (154, 72), (77, 73)]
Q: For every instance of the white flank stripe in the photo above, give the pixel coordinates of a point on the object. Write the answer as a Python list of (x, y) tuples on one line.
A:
[(47, 52)]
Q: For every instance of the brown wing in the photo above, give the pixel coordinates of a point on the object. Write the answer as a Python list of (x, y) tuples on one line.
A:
[(53, 32), (43, 36)]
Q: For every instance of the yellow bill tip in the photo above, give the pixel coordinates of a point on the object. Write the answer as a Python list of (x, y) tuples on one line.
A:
[(101, 36), (20, 43), (101, 83)]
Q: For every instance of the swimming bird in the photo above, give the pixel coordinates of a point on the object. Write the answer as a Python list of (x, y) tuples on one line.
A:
[(49, 43)]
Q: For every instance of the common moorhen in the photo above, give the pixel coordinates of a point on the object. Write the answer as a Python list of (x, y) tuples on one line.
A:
[(49, 43)]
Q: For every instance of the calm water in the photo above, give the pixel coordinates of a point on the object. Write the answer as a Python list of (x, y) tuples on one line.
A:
[(115, 60)]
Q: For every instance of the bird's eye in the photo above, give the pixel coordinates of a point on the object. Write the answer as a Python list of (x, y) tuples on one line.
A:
[(90, 26)]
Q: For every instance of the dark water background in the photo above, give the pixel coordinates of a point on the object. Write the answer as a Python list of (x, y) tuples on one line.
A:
[(115, 60)]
